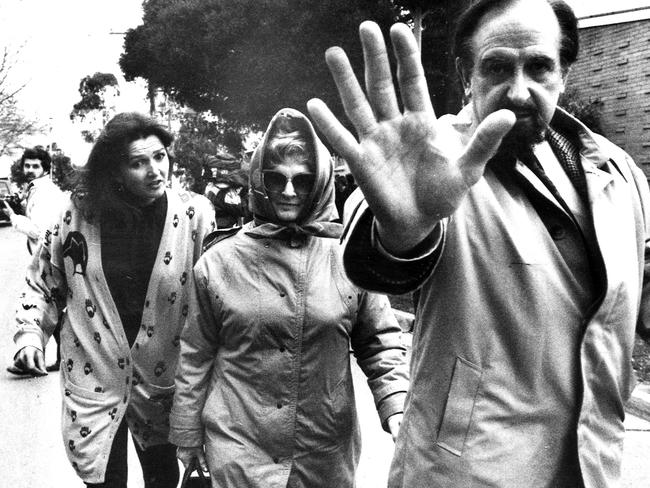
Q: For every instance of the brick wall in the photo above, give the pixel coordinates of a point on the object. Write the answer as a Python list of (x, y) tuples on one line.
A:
[(614, 68)]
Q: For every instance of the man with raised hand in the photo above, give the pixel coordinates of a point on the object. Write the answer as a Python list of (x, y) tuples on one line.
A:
[(526, 234)]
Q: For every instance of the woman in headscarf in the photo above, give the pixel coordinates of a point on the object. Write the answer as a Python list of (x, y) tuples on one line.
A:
[(264, 383), (117, 265)]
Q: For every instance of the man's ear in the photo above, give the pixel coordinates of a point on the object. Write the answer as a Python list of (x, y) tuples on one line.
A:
[(565, 78), (464, 76)]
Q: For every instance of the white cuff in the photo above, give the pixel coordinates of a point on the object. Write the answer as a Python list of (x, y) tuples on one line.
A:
[(435, 239)]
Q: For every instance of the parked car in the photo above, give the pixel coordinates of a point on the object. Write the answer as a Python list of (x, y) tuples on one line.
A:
[(7, 197)]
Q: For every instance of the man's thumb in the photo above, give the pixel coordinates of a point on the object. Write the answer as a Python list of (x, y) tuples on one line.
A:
[(487, 138)]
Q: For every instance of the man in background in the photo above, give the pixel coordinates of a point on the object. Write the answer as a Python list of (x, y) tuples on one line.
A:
[(40, 206)]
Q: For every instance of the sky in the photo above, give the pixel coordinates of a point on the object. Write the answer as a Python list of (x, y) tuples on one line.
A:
[(55, 44), (58, 42)]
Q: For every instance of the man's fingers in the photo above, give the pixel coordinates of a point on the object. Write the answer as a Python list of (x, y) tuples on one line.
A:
[(354, 100), (339, 137), (379, 80), (486, 140), (410, 74)]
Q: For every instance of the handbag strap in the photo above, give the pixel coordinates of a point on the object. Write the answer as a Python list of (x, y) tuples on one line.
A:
[(193, 466)]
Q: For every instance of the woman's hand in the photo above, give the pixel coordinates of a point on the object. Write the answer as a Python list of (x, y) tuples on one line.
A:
[(187, 454), (29, 360), (412, 169), (394, 422)]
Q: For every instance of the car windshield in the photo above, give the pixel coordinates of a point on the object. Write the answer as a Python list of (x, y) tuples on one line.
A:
[(4, 189)]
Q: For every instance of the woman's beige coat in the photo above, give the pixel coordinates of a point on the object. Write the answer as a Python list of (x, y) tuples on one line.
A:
[(265, 379)]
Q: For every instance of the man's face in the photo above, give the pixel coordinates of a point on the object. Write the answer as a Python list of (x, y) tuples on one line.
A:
[(517, 67), (32, 169)]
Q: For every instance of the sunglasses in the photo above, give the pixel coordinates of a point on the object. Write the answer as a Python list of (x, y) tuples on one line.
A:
[(276, 182)]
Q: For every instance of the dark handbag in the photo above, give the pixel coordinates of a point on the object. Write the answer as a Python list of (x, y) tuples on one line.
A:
[(200, 481)]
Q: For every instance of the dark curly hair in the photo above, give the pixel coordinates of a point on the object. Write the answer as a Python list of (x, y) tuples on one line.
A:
[(37, 153), (95, 191)]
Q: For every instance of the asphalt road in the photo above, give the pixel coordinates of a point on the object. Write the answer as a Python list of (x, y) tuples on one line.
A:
[(32, 454)]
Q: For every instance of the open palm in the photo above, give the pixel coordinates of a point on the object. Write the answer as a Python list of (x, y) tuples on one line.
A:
[(412, 169)]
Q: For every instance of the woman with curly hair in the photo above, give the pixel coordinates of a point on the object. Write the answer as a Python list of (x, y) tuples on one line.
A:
[(117, 266)]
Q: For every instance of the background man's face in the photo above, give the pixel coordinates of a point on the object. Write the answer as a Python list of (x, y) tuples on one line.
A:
[(33, 168), (517, 67)]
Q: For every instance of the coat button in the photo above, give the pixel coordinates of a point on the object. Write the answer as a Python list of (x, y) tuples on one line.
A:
[(282, 349), (557, 232), (279, 405), (276, 460)]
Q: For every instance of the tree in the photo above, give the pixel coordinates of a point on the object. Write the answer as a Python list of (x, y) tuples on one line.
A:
[(63, 172), (13, 123), (589, 112), (437, 22), (418, 10), (199, 139), (245, 59), (91, 110)]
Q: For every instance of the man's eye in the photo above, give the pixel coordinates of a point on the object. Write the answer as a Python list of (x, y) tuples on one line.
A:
[(496, 69), (159, 156), (539, 67)]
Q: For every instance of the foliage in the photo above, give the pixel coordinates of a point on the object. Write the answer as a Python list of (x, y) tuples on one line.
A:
[(92, 110), (17, 176), (589, 112), (199, 139), (245, 59), (91, 89), (418, 10), (62, 171), (13, 123)]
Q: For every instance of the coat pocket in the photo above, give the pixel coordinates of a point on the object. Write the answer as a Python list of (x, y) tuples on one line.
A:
[(455, 423)]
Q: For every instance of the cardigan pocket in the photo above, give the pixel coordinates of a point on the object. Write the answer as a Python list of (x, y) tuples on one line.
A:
[(456, 419)]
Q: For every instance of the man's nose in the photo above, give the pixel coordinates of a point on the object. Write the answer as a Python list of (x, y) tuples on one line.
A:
[(518, 91)]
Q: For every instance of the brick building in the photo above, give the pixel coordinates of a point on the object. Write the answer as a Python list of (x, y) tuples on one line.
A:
[(613, 71)]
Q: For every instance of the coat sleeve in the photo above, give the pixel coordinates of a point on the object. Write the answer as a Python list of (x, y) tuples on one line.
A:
[(643, 324), (377, 345), (25, 226), (206, 223), (43, 297), (372, 268), (198, 349)]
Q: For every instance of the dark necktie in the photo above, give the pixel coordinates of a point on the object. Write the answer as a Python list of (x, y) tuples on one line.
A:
[(568, 155)]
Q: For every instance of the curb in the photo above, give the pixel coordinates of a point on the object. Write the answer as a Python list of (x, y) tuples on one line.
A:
[(639, 403)]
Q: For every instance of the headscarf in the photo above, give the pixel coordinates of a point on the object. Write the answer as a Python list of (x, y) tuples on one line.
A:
[(319, 213)]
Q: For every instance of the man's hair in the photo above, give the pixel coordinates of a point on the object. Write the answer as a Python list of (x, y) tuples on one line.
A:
[(37, 153), (471, 18), (95, 190)]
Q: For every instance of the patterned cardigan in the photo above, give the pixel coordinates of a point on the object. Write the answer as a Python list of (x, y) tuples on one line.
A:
[(102, 379)]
